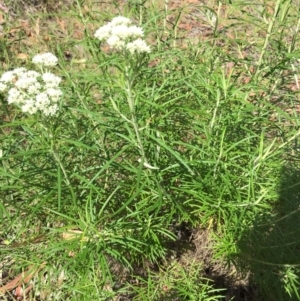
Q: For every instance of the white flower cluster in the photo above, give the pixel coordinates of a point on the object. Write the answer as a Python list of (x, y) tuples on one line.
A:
[(121, 35), (45, 59), (31, 90)]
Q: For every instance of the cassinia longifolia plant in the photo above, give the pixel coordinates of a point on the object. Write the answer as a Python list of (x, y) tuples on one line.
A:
[(127, 39), (38, 92)]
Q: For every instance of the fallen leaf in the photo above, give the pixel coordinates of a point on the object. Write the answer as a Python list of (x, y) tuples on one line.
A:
[(20, 292), (71, 234), (61, 24), (61, 278), (22, 278), (22, 56), (37, 27)]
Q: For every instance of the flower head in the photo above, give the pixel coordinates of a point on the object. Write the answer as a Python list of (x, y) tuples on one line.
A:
[(3, 87), (51, 80), (15, 96), (119, 34), (121, 31), (120, 20), (115, 42), (104, 32), (24, 82), (8, 77), (29, 106), (138, 46), (51, 110), (135, 32), (54, 94), (19, 71), (45, 59), (33, 91)]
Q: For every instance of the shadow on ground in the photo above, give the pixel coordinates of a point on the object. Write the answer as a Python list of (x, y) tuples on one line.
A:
[(270, 250)]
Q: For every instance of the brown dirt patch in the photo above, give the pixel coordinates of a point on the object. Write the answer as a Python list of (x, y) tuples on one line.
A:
[(226, 277)]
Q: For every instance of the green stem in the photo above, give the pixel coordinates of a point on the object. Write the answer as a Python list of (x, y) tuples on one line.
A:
[(56, 157), (55, 154), (266, 42), (134, 122), (165, 17)]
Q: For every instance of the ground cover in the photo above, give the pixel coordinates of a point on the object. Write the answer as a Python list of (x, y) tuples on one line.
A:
[(169, 167)]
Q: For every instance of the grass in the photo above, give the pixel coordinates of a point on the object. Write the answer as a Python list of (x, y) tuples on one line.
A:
[(203, 131)]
